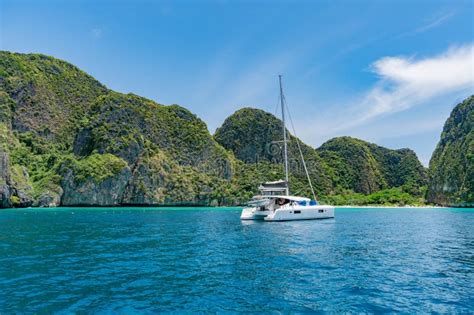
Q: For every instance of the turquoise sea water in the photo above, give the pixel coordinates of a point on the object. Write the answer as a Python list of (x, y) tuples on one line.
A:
[(109, 260)]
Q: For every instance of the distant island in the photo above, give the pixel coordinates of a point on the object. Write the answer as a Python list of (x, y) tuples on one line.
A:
[(67, 140)]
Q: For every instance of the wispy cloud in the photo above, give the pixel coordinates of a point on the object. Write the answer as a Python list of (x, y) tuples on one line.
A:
[(430, 23), (435, 21), (405, 82)]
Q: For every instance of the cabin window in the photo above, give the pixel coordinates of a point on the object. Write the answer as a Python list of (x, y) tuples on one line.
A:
[(321, 210), (297, 211)]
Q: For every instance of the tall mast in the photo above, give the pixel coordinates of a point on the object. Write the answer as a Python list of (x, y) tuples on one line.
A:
[(285, 145)]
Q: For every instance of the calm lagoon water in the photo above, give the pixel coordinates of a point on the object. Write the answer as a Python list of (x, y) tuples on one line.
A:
[(133, 260)]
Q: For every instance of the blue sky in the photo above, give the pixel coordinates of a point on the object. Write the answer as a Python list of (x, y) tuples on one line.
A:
[(385, 71)]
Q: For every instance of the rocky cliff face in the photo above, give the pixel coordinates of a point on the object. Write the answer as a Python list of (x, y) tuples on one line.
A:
[(250, 134), (254, 136), (5, 183), (106, 192), (67, 139), (339, 165), (452, 163), (366, 167)]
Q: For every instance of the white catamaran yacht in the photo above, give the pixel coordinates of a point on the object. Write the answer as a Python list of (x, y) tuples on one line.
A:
[(275, 202)]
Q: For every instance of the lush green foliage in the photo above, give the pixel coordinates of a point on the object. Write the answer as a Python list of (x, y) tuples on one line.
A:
[(96, 166), (397, 196), (15, 201), (250, 134), (129, 126), (452, 163), (341, 166), (366, 168), (254, 136), (62, 129), (47, 96), (55, 119)]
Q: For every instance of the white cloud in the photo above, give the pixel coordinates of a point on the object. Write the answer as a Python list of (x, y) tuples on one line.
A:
[(452, 69), (407, 82), (403, 84)]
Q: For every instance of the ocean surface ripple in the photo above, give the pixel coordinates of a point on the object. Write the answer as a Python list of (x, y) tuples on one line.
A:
[(136, 260)]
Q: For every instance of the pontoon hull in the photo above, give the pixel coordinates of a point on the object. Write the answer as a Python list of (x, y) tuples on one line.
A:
[(289, 213), (253, 214), (301, 213)]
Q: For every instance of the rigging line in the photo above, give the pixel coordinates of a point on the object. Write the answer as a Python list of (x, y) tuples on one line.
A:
[(299, 149), (275, 111)]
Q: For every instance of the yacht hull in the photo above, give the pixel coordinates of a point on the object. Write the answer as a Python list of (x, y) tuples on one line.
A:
[(301, 213), (253, 214), (289, 213)]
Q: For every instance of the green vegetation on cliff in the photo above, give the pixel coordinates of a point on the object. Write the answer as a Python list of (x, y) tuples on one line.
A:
[(367, 168), (452, 163), (65, 139), (45, 95), (250, 133), (343, 169), (254, 136)]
